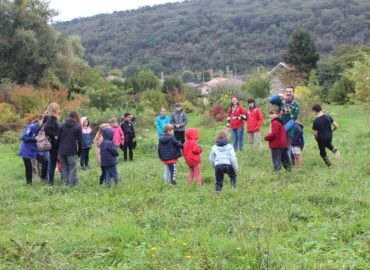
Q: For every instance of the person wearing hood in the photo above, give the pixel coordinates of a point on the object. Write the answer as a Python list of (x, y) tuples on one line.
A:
[(179, 121), (169, 150), (192, 155), (70, 147), (277, 141), (109, 156), (223, 160), (87, 140)]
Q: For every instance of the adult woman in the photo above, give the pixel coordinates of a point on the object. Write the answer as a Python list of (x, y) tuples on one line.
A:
[(29, 151), (70, 147), (236, 115), (51, 130)]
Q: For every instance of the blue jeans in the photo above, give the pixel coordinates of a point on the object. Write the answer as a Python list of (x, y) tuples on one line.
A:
[(238, 138), (111, 171)]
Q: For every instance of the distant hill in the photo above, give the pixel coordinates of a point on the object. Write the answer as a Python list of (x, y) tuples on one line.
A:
[(197, 34)]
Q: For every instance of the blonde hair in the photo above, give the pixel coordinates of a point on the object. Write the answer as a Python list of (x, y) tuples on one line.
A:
[(167, 128), (53, 109), (101, 127), (113, 120)]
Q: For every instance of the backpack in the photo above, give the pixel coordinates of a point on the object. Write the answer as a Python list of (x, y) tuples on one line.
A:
[(42, 142)]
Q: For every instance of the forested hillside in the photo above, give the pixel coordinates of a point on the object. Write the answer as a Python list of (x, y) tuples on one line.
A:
[(197, 34)]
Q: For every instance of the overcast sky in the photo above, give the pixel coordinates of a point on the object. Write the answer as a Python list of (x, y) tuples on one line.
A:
[(71, 9)]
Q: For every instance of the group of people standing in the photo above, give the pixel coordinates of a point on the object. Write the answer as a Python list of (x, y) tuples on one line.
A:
[(285, 138), (74, 139)]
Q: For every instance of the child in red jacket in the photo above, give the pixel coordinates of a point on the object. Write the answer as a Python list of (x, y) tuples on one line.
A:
[(277, 141), (192, 155)]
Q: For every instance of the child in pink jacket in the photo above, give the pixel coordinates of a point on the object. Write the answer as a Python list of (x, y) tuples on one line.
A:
[(119, 137)]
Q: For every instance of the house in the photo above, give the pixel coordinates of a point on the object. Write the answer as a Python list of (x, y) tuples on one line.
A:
[(206, 87), (278, 73)]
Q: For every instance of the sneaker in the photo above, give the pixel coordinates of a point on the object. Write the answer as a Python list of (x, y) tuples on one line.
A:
[(336, 152), (87, 167)]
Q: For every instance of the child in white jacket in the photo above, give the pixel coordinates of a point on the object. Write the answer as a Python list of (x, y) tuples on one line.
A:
[(223, 160)]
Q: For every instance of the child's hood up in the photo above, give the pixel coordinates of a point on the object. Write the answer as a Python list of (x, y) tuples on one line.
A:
[(108, 134), (192, 134)]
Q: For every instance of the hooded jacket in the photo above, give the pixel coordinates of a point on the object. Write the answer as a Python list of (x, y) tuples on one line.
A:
[(28, 147), (118, 137), (160, 122), (169, 148), (254, 120), (277, 135), (70, 138), (179, 118), (191, 148), (223, 153), (108, 151)]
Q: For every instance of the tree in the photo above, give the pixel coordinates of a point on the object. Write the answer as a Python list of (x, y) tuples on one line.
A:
[(144, 80), (171, 84), (302, 52), (360, 75), (258, 87)]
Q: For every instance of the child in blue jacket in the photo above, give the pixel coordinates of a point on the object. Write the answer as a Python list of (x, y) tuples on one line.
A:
[(109, 157), (169, 150)]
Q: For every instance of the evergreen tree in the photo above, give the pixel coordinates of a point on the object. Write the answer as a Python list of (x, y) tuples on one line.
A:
[(302, 52)]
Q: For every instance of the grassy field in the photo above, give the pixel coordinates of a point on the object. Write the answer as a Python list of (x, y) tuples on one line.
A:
[(312, 218)]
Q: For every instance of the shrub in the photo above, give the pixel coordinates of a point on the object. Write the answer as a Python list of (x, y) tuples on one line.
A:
[(10, 137), (188, 106), (153, 99), (7, 114), (217, 112)]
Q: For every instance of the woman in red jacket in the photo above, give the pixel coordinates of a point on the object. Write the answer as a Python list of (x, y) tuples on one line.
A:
[(254, 123), (236, 115)]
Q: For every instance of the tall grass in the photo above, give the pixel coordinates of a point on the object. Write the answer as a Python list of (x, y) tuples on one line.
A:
[(312, 218)]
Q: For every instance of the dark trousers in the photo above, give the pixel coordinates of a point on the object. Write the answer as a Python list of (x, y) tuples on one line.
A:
[(84, 158), (220, 171), (180, 136), (102, 175), (322, 143), (128, 145), (172, 168), (277, 155), (28, 166), (53, 163)]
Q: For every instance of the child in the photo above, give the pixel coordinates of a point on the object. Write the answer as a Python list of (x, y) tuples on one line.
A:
[(119, 137), (169, 150), (324, 133), (108, 156), (277, 141), (297, 143), (179, 121), (87, 140), (223, 160), (129, 133), (192, 155), (97, 142), (254, 123)]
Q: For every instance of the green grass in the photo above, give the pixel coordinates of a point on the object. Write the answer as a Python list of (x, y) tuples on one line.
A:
[(312, 218)]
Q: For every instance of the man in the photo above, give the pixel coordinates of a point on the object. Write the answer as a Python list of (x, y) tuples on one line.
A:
[(289, 110), (254, 123), (323, 132)]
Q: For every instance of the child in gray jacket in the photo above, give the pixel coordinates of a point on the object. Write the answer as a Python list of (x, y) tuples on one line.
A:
[(223, 160)]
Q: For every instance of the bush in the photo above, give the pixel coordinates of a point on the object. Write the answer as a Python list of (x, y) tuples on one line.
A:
[(218, 112), (153, 99), (7, 114), (10, 137), (188, 106)]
